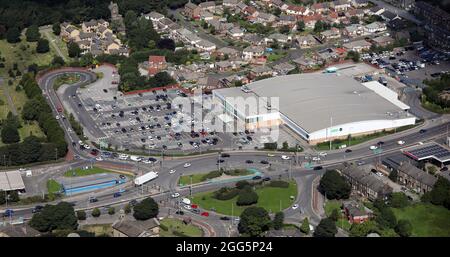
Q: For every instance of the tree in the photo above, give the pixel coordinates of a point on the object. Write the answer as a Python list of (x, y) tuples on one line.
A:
[(285, 29), (326, 228), (300, 25), (403, 228), (393, 175), (111, 211), (320, 26), (127, 209), (440, 194), (334, 186), (247, 197), (363, 229), (166, 43), (56, 27), (146, 209), (278, 220), (305, 226), (73, 49), (10, 134), (285, 145), (254, 221), (13, 35), (59, 216), (81, 215), (58, 61), (353, 55), (386, 218), (32, 34), (42, 46), (354, 19), (96, 213), (398, 200)]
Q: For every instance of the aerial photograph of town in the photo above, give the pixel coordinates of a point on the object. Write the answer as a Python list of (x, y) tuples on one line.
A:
[(225, 119)]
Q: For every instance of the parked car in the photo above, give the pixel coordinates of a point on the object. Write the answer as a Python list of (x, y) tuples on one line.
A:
[(180, 212), (205, 214)]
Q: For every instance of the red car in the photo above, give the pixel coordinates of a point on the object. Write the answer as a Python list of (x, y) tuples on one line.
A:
[(206, 214), (194, 206), (94, 152)]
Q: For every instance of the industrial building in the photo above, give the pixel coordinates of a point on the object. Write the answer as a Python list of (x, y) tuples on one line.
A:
[(318, 107), (11, 181)]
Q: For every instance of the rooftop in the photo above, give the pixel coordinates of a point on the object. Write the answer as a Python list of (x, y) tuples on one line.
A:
[(324, 95), (11, 180)]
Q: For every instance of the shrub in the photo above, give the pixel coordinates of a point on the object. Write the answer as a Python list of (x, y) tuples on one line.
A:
[(242, 184), (279, 183), (247, 197), (212, 174), (225, 193), (81, 215), (96, 213)]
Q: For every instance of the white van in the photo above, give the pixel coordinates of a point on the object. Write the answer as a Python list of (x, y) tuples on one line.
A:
[(186, 201), (123, 157), (136, 158)]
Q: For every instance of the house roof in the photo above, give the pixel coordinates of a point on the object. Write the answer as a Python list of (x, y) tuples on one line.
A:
[(134, 228), (417, 173), (22, 230), (366, 178), (156, 59)]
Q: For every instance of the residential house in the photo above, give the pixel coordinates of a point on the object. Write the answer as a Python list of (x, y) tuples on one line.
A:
[(206, 15), (253, 39), (310, 20), (204, 45), (208, 6), (230, 3), (356, 212), (230, 52), (224, 65), (251, 52), (319, 8), (376, 10), (383, 41), (240, 7), (278, 37), (330, 34), (359, 3), (340, 5), (358, 46), (329, 55), (354, 12), (235, 32), (192, 10), (389, 16), (288, 20), (155, 17), (209, 83), (364, 182), (265, 18), (306, 41), (260, 71), (397, 24), (69, 32), (297, 10), (354, 30), (156, 63), (136, 228), (89, 26), (283, 68), (19, 230), (280, 4), (411, 176), (333, 17), (307, 63), (375, 27), (402, 4)]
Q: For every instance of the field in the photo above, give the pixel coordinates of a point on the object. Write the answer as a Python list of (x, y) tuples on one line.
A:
[(273, 199), (81, 172), (426, 219), (53, 186), (177, 226), (23, 54)]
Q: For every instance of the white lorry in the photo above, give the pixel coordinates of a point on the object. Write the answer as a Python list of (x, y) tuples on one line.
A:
[(138, 181)]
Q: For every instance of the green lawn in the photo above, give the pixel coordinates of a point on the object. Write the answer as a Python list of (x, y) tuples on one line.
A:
[(426, 219), (178, 225), (81, 172), (270, 198), (53, 186), (31, 129), (197, 178), (52, 38), (66, 79), (275, 56)]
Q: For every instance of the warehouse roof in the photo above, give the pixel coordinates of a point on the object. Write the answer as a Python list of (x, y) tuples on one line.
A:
[(11, 180), (311, 99)]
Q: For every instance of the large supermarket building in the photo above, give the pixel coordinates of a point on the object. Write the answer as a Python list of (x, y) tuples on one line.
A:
[(319, 106)]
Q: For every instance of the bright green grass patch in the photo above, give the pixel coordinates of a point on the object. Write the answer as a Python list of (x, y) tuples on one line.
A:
[(176, 225), (342, 222), (197, 178), (29, 129), (275, 56), (80, 172), (426, 219), (66, 79), (270, 198), (53, 186)]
